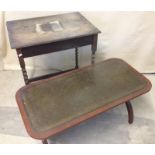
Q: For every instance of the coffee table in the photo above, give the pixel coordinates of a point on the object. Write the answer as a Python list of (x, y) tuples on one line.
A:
[(53, 105)]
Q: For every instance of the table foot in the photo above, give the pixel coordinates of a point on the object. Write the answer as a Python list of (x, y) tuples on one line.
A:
[(130, 112), (45, 141)]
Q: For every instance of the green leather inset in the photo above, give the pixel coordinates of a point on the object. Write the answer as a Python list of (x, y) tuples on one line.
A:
[(65, 98)]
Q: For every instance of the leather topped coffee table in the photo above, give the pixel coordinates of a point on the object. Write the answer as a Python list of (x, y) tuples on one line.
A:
[(52, 105)]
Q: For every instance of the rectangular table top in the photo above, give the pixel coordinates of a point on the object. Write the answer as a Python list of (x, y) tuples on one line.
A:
[(48, 29), (56, 101)]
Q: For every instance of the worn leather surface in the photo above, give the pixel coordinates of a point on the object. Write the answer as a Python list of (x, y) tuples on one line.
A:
[(62, 99)]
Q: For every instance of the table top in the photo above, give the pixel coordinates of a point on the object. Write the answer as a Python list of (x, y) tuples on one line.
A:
[(48, 29), (56, 101)]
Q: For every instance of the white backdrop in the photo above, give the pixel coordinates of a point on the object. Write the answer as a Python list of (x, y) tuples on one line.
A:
[(127, 35)]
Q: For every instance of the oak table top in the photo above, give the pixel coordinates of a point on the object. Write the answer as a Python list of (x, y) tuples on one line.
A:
[(41, 30)]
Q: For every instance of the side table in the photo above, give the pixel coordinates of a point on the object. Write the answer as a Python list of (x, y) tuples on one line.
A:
[(42, 35)]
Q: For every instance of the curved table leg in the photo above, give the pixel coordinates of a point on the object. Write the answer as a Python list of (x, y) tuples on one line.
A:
[(130, 112), (45, 141)]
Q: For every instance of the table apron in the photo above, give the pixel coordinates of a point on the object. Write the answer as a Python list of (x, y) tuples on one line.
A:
[(57, 46)]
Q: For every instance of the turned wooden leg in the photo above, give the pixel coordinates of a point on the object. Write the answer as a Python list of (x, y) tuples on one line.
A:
[(94, 48), (76, 58), (45, 141), (130, 112), (22, 65)]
